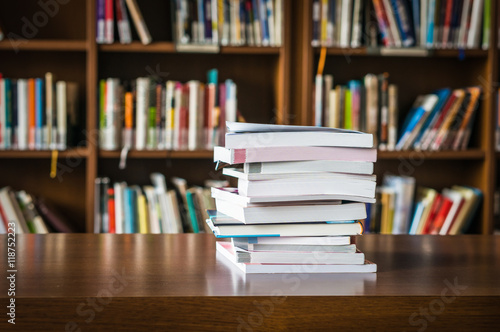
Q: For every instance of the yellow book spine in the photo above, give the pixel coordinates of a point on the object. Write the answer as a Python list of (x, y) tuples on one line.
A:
[(143, 214)]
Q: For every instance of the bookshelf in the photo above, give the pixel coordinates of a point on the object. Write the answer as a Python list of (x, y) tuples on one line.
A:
[(427, 70), (274, 85), (65, 45)]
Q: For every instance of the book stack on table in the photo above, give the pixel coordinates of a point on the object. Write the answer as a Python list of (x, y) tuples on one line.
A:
[(301, 193)]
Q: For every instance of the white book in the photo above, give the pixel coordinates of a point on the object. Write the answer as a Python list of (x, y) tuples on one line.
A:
[(350, 248), (231, 101), (215, 22), (3, 126), (233, 228), (228, 255), (169, 115), (456, 198), (49, 109), (333, 116), (139, 23), (316, 241), (298, 257), (154, 218), (142, 103), (10, 213), (308, 166), (62, 113), (22, 114), (333, 138), (475, 24), (278, 17), (306, 212), (239, 173), (175, 218), (284, 187), (109, 142), (403, 186), (270, 22), (194, 87), (318, 101), (371, 115), (356, 24), (231, 195), (119, 188), (392, 126), (345, 28)]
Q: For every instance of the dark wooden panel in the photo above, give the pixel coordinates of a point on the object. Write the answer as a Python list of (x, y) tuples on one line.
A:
[(45, 19)]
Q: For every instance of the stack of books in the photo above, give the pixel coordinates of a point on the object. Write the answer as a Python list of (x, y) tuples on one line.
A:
[(301, 193)]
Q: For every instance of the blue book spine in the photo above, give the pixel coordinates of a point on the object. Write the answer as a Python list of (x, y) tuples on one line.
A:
[(208, 20), (39, 99), (8, 113), (417, 114), (263, 21), (366, 224), (128, 210), (416, 18), (201, 17), (100, 22), (443, 96), (430, 22), (192, 212), (403, 22)]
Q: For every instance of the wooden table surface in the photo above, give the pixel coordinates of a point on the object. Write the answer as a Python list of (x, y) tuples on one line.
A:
[(97, 282)]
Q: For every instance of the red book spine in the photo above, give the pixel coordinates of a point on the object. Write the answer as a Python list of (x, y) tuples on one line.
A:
[(432, 214), (447, 22), (109, 21), (111, 210), (440, 216), (31, 114)]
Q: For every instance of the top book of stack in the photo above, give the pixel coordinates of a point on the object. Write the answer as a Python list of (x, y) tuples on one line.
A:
[(250, 142)]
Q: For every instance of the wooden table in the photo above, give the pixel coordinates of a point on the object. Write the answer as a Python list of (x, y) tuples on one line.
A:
[(136, 282)]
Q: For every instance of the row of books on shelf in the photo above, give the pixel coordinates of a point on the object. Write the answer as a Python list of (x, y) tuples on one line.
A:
[(197, 22), (497, 128), (399, 211), (145, 114), (38, 113), (294, 209), (121, 208), (29, 214), (400, 23), (228, 22), (441, 120)]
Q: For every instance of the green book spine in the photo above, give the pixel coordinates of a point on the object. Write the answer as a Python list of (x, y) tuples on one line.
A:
[(102, 94), (152, 128), (192, 212), (486, 24), (348, 110)]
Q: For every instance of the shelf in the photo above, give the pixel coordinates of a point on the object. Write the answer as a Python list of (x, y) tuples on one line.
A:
[(169, 47), (45, 45), (434, 155), (404, 52), (77, 152), (158, 154)]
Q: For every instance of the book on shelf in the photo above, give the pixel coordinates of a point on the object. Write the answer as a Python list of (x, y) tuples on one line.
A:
[(145, 114), (203, 23), (369, 105), (401, 24), (23, 213), (121, 208), (38, 113), (106, 19), (399, 211), (311, 203), (497, 127)]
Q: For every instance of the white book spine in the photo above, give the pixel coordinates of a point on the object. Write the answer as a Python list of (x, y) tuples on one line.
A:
[(278, 21), (119, 206), (61, 115), (334, 116), (345, 34), (109, 142), (423, 23), (230, 101), (22, 114), (318, 101), (356, 24), (475, 24), (176, 142), (270, 20), (193, 115), (215, 23), (142, 102)]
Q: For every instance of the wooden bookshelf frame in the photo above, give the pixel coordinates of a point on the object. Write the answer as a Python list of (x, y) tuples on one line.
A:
[(292, 81)]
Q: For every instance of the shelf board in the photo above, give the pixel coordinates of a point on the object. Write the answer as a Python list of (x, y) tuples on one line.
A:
[(13, 154), (169, 47), (404, 52), (158, 154), (434, 155), (45, 45)]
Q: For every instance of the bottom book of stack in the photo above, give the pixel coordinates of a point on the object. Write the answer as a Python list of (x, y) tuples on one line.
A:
[(330, 254)]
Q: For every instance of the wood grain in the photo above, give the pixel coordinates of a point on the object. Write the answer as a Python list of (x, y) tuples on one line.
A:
[(178, 282)]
